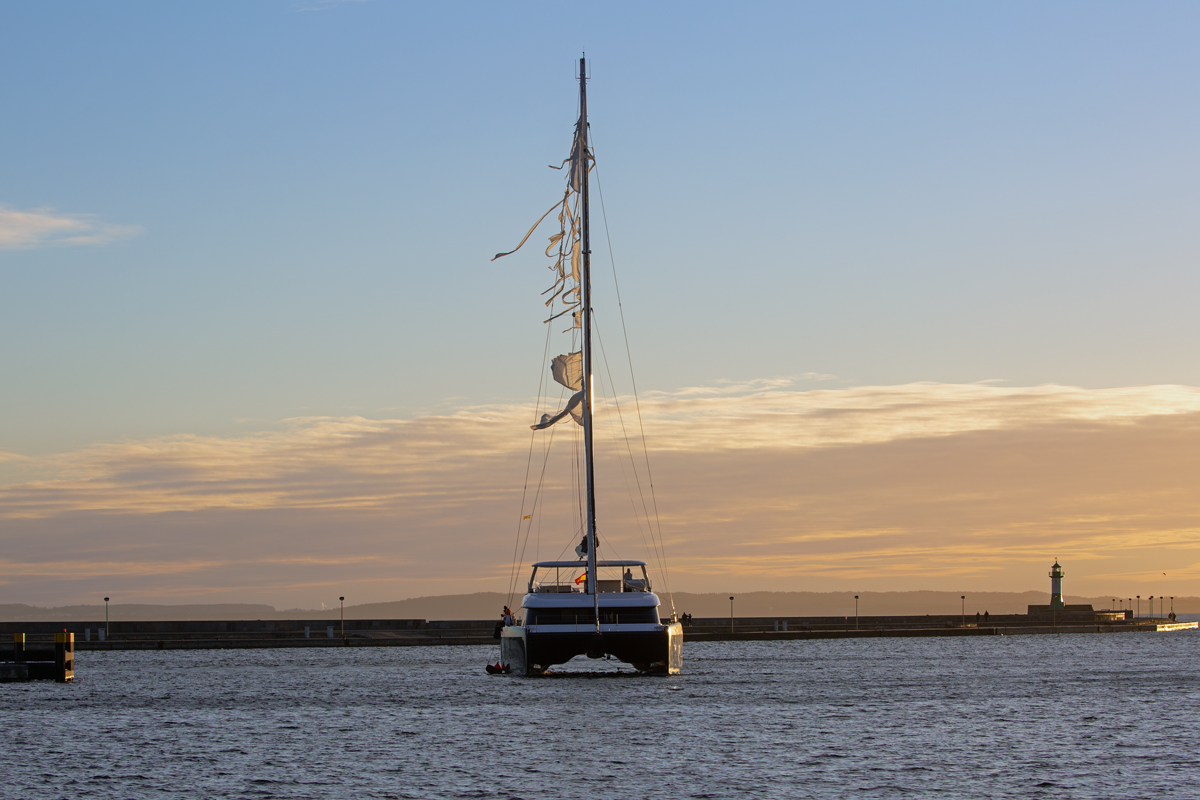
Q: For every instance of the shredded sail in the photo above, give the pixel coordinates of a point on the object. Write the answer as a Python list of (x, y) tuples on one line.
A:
[(565, 294), (568, 370), (573, 408)]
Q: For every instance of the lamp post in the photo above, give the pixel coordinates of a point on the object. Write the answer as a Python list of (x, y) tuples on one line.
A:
[(855, 612), (1139, 605), (731, 613), (342, 600), (1152, 605), (106, 636), (1172, 604), (1114, 604), (963, 624)]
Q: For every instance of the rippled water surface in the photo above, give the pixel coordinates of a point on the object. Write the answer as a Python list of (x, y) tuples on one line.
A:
[(1072, 716)]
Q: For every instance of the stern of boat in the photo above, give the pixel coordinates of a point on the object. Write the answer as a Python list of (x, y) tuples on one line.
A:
[(674, 648), (513, 649)]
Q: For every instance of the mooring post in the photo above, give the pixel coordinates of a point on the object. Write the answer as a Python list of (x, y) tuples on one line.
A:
[(19, 648), (64, 657)]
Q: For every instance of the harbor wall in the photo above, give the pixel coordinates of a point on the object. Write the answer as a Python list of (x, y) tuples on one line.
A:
[(171, 635)]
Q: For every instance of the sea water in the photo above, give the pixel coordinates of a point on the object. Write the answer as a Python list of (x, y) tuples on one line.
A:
[(1059, 716)]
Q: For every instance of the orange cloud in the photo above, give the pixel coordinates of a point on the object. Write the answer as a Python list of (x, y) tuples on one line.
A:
[(759, 486)]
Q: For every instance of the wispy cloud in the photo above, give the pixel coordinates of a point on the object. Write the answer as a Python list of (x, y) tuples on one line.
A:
[(757, 483), (357, 463), (44, 227)]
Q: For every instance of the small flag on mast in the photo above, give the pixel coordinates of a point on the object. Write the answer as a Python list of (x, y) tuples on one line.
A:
[(581, 579)]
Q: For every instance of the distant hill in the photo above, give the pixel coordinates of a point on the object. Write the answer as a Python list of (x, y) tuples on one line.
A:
[(487, 605)]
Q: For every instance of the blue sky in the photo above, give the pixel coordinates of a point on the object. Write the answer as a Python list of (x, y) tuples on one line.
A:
[(877, 192), (218, 217)]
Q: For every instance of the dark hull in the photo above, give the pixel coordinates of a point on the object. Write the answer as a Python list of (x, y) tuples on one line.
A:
[(659, 652)]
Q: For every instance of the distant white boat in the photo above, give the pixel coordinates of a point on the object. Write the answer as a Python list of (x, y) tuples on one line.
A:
[(598, 608)]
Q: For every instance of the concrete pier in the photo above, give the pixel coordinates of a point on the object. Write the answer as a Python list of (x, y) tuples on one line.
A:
[(419, 632), (185, 635), (869, 629), (29, 662)]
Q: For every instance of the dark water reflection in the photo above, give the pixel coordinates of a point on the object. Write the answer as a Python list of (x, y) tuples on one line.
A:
[(1099, 716)]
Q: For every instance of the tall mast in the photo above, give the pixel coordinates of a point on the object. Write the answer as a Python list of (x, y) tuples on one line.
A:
[(581, 159)]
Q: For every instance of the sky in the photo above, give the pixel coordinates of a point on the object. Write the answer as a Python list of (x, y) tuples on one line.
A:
[(909, 293)]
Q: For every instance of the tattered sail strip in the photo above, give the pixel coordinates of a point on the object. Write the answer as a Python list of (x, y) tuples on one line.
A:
[(531, 230), (561, 313), (572, 408)]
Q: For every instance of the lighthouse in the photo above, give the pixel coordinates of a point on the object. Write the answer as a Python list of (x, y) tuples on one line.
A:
[(1056, 576)]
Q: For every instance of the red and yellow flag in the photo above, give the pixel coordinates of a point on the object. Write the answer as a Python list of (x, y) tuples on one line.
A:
[(581, 579)]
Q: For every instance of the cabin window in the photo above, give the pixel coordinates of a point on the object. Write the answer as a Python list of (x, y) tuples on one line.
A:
[(585, 616)]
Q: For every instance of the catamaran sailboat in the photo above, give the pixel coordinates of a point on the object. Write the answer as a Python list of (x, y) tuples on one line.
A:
[(591, 606)]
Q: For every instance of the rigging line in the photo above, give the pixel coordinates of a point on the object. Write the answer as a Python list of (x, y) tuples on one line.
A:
[(539, 489), (519, 543), (577, 473), (613, 431), (541, 480), (576, 511), (632, 461), (624, 431), (576, 507), (512, 577), (637, 402)]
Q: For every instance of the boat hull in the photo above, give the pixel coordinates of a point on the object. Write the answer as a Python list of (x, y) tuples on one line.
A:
[(534, 652)]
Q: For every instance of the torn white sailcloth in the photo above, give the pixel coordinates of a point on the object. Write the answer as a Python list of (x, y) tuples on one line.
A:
[(574, 408), (568, 370)]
